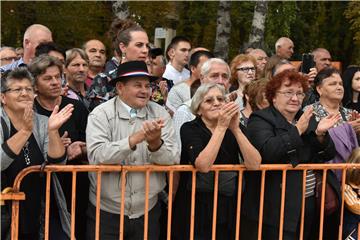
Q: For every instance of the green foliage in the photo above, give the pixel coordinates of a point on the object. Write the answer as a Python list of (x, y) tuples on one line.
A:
[(72, 23), (352, 13), (280, 17), (329, 24)]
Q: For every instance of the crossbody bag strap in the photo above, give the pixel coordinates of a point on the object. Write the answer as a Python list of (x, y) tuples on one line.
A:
[(5, 129)]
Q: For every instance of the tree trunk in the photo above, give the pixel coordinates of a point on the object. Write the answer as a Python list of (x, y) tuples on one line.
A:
[(121, 9), (256, 37), (221, 49)]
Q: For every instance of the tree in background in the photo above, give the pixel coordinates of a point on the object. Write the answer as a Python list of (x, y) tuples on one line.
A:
[(121, 9), (256, 38), (72, 23), (333, 25), (352, 13), (223, 30)]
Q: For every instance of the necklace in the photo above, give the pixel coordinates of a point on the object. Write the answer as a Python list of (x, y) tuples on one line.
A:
[(26, 153)]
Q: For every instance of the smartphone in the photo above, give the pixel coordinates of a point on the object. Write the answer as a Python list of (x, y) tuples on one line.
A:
[(307, 62)]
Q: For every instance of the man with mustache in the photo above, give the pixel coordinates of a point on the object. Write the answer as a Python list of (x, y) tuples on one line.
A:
[(76, 71)]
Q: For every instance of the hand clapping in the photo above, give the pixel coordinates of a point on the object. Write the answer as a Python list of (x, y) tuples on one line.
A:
[(58, 118), (229, 116)]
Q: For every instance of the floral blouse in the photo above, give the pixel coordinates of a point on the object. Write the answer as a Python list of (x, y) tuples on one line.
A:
[(320, 113)]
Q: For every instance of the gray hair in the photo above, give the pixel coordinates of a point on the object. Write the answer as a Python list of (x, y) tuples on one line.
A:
[(205, 69), (201, 92), (71, 54), (5, 47), (281, 41), (39, 65), (18, 74)]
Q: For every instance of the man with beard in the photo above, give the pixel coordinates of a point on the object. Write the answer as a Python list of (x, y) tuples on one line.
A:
[(76, 71), (47, 71)]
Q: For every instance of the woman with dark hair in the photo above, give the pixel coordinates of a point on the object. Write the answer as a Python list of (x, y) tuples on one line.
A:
[(29, 139), (283, 134), (351, 82), (130, 42)]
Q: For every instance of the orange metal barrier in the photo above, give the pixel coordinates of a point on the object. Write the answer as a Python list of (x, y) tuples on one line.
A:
[(17, 196)]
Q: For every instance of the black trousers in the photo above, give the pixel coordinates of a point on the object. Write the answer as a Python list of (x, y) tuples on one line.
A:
[(249, 227), (133, 228)]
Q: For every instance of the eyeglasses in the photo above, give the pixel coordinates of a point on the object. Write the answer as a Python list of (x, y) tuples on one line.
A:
[(211, 100), (18, 91), (246, 69), (299, 95)]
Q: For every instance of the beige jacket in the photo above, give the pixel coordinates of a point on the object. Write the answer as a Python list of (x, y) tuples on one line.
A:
[(108, 129)]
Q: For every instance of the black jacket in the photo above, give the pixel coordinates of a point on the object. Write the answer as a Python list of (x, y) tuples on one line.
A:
[(279, 142)]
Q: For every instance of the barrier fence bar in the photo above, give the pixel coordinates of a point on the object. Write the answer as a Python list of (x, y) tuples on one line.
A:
[(282, 205), (97, 213), (261, 208), (73, 205), (343, 177), (170, 200), (303, 205), (215, 203), (47, 204), (192, 213), (146, 210), (238, 205), (323, 189), (16, 195), (122, 204)]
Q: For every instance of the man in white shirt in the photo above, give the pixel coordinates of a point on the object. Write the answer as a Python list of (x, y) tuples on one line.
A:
[(178, 53)]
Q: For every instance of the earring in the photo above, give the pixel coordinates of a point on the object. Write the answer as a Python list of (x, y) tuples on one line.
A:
[(123, 56)]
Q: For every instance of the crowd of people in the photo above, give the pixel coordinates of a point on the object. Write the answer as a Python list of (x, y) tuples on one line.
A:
[(178, 106)]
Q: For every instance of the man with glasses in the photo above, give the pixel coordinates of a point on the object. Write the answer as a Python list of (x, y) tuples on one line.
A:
[(261, 60), (7, 55)]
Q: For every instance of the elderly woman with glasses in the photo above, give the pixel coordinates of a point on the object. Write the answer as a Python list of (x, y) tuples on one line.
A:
[(214, 137), (283, 134), (29, 139)]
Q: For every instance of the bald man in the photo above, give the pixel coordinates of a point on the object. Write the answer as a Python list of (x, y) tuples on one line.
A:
[(33, 36), (284, 48), (322, 58)]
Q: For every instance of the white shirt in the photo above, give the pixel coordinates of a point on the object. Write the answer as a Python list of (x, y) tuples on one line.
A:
[(172, 74), (177, 96)]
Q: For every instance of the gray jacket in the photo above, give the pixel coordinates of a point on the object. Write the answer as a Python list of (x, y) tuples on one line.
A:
[(40, 132), (107, 140)]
